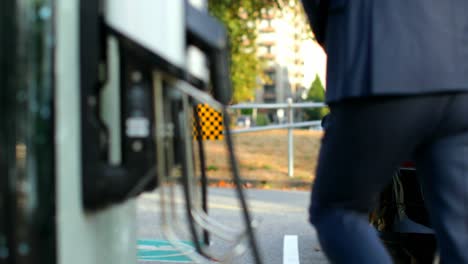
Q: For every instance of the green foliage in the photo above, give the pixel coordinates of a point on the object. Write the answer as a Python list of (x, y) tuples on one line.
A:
[(239, 18), (262, 120), (246, 111), (212, 168), (317, 94)]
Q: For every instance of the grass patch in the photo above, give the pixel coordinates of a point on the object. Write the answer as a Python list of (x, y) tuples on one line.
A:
[(251, 168), (263, 155), (212, 168)]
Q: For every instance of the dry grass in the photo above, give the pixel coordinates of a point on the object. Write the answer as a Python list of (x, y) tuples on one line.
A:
[(263, 155)]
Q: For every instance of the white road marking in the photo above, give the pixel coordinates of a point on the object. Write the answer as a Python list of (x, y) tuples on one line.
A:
[(290, 250)]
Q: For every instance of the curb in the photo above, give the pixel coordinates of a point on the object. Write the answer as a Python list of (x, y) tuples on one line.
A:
[(262, 184)]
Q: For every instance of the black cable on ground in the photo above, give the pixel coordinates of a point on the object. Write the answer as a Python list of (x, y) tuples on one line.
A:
[(204, 178), (187, 195), (238, 182)]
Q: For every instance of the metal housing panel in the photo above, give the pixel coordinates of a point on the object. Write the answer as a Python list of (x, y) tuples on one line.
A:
[(106, 236), (158, 25)]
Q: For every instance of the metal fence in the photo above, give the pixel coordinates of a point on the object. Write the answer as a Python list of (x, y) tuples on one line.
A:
[(289, 107)]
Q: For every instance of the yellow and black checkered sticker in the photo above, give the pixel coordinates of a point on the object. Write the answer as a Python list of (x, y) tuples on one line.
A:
[(211, 122)]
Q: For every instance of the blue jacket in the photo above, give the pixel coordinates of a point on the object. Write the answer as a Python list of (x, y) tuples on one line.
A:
[(392, 47)]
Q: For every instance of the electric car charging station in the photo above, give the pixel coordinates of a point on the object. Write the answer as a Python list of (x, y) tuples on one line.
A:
[(97, 105)]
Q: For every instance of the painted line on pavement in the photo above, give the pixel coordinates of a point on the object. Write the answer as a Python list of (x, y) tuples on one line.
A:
[(290, 250), (163, 251)]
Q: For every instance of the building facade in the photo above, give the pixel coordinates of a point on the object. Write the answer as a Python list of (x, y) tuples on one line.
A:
[(290, 56)]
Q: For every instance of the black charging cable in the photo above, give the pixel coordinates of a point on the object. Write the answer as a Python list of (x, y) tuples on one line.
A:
[(240, 192), (204, 177)]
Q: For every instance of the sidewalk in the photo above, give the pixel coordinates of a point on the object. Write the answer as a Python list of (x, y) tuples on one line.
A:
[(291, 184)]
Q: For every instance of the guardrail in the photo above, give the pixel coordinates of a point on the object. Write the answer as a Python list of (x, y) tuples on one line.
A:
[(289, 106)]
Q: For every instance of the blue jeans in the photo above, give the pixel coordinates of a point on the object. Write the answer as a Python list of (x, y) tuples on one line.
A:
[(365, 141)]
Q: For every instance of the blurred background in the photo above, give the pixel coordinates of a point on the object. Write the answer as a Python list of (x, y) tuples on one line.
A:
[(274, 56)]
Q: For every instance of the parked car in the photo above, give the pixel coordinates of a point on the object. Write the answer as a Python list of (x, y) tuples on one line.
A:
[(316, 128), (244, 121)]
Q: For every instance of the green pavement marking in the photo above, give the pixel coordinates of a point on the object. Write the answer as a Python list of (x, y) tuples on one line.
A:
[(163, 251)]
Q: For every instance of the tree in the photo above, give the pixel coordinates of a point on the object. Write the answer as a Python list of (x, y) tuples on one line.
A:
[(239, 18), (317, 94)]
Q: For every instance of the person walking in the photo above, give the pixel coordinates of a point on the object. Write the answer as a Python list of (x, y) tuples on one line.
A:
[(397, 87)]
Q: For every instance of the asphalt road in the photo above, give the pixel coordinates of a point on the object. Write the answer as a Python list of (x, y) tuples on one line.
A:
[(280, 214)]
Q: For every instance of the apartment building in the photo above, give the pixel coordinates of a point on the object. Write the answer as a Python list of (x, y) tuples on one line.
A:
[(291, 57)]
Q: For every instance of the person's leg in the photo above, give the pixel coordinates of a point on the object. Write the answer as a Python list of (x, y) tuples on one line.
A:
[(362, 148), (443, 167)]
